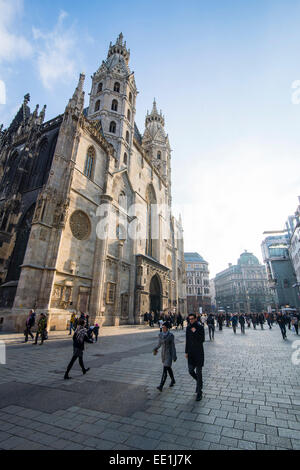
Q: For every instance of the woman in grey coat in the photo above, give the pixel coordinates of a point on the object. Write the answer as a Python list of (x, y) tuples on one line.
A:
[(168, 354)]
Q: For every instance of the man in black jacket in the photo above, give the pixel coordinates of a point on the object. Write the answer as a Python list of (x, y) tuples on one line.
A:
[(79, 338), (194, 351)]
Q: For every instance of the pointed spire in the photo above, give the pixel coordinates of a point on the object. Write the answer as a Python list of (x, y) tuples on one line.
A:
[(119, 48), (77, 100), (154, 109), (155, 115)]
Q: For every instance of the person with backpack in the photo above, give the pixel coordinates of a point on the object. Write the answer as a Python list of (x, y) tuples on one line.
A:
[(79, 338), (30, 322)]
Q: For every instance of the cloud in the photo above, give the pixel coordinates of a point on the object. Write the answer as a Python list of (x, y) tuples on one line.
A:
[(55, 53), (12, 45)]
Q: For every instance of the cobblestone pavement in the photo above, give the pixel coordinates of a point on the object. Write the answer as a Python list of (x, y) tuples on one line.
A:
[(251, 394)]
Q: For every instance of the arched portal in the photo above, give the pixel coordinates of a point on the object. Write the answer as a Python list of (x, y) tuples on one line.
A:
[(155, 294)]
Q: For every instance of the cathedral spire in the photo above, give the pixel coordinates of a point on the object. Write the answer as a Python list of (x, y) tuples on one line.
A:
[(119, 48), (77, 100), (154, 116)]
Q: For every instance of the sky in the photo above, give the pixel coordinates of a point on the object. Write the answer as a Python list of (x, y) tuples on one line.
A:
[(226, 75)]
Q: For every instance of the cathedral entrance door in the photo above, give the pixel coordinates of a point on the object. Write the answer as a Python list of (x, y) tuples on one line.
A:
[(155, 294)]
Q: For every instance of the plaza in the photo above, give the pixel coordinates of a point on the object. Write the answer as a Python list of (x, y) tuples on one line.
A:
[(251, 394)]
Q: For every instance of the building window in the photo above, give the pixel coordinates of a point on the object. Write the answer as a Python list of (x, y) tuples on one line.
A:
[(127, 137), (112, 127), (128, 115), (100, 87), (97, 105), (110, 293), (114, 105), (130, 97), (125, 158), (159, 155), (89, 163), (117, 87)]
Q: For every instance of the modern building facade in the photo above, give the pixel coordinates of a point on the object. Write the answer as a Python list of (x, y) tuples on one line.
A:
[(276, 250), (197, 282), (243, 287), (85, 208)]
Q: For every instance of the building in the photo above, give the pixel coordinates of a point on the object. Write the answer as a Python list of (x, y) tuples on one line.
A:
[(294, 248), (243, 287), (197, 282), (276, 249), (85, 208)]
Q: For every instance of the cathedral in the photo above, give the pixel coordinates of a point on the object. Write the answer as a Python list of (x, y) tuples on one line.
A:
[(85, 209)]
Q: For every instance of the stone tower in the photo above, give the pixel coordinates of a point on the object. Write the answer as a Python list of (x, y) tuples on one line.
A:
[(157, 146), (113, 100)]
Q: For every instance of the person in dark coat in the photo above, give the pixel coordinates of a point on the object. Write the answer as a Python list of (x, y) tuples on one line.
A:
[(168, 354), (242, 322), (211, 326), (194, 352), (281, 323), (234, 322), (79, 338), (29, 324), (261, 319)]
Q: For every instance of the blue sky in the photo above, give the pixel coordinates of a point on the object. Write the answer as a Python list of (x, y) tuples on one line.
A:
[(221, 71)]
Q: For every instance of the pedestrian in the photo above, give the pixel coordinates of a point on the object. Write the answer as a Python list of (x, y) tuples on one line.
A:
[(79, 338), (220, 321), (194, 352), (168, 354), (96, 332), (269, 320), (281, 323), (254, 320), (234, 322), (211, 326), (248, 320), (242, 322), (30, 322), (42, 329), (72, 323), (261, 319)]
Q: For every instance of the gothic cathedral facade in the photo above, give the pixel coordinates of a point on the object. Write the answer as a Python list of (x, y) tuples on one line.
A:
[(85, 209)]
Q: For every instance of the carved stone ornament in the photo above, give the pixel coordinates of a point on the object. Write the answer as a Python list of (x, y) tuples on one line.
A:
[(80, 225)]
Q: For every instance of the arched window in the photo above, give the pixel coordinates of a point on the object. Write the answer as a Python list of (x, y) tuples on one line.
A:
[(130, 97), (112, 127), (125, 158), (100, 87), (97, 105), (127, 137), (117, 87), (122, 200), (90, 163), (152, 221), (128, 115), (159, 155), (114, 105)]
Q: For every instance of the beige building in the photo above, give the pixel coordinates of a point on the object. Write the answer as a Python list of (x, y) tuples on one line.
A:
[(85, 219)]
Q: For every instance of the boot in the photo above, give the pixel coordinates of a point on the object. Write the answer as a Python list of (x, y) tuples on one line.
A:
[(66, 376), (199, 396), (172, 378), (85, 371), (162, 382)]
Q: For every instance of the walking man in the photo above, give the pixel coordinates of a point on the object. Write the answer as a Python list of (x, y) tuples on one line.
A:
[(194, 352), (29, 324), (168, 354), (234, 322), (281, 323), (242, 323), (211, 326), (41, 331), (79, 338), (261, 319)]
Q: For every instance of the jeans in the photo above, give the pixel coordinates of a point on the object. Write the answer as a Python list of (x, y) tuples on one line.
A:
[(243, 327), (283, 330), (211, 331), (28, 332), (196, 375)]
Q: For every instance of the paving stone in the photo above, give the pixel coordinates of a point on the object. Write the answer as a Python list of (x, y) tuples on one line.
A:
[(254, 437)]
